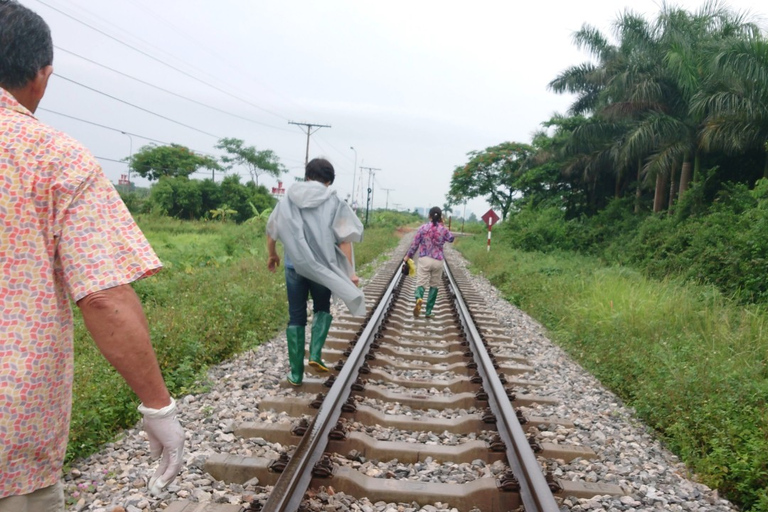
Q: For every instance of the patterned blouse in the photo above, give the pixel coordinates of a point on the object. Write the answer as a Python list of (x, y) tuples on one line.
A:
[(64, 234), (429, 241)]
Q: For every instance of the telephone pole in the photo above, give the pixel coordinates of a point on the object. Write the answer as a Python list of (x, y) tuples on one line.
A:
[(371, 172), (309, 127), (386, 204)]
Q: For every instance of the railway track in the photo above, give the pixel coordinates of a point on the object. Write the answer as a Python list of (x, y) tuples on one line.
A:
[(462, 402)]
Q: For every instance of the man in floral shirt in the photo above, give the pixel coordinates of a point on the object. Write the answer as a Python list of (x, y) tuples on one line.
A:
[(64, 233)]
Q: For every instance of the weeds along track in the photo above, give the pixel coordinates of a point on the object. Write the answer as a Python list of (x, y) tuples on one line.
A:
[(419, 411)]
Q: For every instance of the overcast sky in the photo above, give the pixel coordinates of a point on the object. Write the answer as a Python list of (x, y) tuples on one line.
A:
[(412, 85)]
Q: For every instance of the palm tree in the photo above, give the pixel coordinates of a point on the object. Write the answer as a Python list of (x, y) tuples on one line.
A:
[(617, 91), (690, 42), (736, 102)]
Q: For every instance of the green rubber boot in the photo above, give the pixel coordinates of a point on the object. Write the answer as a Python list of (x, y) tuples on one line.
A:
[(431, 299), (295, 335), (321, 323), (419, 301)]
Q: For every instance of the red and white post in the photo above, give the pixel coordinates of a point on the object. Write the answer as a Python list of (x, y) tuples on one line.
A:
[(490, 219)]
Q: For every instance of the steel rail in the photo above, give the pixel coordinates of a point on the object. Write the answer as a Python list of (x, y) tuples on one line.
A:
[(289, 490), (534, 490)]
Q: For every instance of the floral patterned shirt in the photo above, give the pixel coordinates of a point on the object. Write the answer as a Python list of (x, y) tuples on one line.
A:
[(64, 234), (429, 241)]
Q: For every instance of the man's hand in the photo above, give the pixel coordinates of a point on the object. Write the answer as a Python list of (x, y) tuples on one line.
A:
[(355, 279), (166, 438), (273, 262)]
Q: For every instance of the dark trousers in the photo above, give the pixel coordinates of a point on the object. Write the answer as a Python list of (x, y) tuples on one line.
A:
[(298, 289)]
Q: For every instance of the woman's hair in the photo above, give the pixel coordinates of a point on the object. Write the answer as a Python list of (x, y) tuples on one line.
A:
[(320, 169), (435, 215)]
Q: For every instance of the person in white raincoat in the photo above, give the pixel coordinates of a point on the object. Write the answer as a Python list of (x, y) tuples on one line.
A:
[(316, 229)]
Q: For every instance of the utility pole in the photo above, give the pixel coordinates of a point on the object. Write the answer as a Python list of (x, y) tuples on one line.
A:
[(371, 172), (354, 172), (309, 127), (386, 204), (130, 158)]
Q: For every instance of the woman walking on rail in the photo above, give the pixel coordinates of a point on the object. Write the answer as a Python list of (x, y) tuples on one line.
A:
[(429, 241), (317, 230)]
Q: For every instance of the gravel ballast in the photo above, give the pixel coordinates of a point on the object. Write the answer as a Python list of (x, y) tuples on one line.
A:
[(114, 479)]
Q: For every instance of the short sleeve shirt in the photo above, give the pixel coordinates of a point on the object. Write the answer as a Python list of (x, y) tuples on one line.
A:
[(64, 234)]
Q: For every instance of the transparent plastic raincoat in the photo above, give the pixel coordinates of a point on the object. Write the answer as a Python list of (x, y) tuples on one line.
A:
[(311, 221)]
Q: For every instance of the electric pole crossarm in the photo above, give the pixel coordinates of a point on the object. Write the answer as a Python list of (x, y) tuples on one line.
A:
[(309, 130)]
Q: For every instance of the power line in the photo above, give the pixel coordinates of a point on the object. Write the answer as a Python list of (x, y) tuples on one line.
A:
[(148, 55), (117, 130), (309, 127), (111, 159), (207, 49), (167, 91), (137, 107)]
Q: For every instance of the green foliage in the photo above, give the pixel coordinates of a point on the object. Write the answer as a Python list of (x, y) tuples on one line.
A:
[(135, 198), (255, 161), (492, 173), (153, 162), (391, 218), (726, 247), (198, 199), (693, 364)]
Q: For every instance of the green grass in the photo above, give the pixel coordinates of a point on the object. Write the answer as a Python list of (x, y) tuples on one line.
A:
[(692, 364), (214, 299)]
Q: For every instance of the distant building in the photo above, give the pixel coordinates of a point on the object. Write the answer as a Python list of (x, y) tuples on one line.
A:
[(278, 191)]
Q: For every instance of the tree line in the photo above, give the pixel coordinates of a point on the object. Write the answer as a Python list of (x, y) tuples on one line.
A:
[(176, 195), (669, 124)]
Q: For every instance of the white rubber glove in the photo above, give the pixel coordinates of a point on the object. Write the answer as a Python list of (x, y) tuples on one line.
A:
[(166, 438)]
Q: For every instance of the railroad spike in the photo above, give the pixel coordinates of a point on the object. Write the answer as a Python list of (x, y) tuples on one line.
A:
[(318, 401), (323, 468), (339, 432), (497, 445), (488, 416), (535, 445), (301, 427), (552, 483), (279, 465), (349, 405), (358, 385), (508, 482)]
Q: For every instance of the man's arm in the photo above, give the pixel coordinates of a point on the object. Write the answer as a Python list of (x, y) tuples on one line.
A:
[(273, 260), (346, 248), (116, 321)]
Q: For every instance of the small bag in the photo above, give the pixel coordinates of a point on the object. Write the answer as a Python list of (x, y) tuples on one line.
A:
[(411, 268), (405, 268)]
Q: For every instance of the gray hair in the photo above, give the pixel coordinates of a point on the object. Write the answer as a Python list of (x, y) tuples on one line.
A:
[(26, 46)]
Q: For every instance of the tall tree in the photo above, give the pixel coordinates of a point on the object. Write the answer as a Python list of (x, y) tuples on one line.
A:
[(255, 161), (153, 162), (735, 103), (492, 173)]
